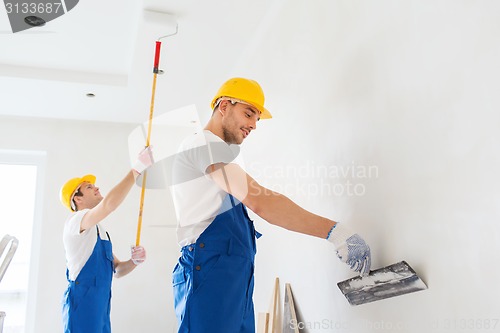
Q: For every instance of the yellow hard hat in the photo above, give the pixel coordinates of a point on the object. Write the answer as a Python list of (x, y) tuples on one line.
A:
[(70, 187), (248, 91)]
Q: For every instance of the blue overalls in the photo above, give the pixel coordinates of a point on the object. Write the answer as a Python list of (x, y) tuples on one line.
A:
[(87, 301), (213, 279)]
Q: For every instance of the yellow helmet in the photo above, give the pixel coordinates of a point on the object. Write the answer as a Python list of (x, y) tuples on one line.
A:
[(248, 91), (69, 188)]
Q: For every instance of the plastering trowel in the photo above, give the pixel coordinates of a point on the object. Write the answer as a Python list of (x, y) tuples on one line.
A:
[(393, 280)]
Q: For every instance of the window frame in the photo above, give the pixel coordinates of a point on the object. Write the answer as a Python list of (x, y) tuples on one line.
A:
[(38, 159)]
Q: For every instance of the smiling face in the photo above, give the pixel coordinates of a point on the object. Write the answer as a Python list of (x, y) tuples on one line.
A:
[(87, 196), (238, 121)]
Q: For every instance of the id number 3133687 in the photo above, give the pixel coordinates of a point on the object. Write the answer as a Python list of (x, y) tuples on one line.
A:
[(33, 8)]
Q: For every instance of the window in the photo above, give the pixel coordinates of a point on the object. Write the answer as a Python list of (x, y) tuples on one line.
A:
[(19, 172)]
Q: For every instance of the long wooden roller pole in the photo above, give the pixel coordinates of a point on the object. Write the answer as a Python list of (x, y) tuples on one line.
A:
[(148, 138)]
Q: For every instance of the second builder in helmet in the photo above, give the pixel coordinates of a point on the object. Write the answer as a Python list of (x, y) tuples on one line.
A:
[(90, 261)]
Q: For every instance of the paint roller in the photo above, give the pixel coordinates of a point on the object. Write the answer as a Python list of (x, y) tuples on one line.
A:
[(155, 17)]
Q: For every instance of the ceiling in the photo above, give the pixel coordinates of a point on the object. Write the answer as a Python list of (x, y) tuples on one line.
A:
[(107, 48)]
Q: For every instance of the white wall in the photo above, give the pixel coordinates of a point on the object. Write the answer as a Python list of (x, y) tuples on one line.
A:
[(409, 88)]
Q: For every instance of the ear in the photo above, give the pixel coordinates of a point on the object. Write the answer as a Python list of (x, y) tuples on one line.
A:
[(77, 199), (223, 106)]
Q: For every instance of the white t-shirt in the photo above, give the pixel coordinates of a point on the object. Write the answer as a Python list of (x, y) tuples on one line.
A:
[(79, 246), (197, 199)]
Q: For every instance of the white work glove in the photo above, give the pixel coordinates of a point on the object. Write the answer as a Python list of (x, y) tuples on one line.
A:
[(351, 249), (138, 254), (144, 160)]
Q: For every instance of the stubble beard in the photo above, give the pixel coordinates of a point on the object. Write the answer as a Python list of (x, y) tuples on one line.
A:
[(229, 137)]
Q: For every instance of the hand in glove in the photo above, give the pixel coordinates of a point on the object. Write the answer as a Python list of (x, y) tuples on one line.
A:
[(351, 248), (138, 254), (144, 160)]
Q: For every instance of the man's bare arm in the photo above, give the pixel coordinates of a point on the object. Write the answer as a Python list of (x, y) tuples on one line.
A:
[(272, 206), (109, 203)]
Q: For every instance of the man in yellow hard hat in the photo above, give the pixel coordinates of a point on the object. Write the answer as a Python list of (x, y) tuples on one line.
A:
[(90, 261), (213, 279)]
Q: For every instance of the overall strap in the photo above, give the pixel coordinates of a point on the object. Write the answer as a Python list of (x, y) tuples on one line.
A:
[(99, 234)]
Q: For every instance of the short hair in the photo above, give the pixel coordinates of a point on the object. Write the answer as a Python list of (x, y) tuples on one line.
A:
[(77, 194)]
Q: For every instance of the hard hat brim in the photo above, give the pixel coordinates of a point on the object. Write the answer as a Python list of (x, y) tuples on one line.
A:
[(264, 113)]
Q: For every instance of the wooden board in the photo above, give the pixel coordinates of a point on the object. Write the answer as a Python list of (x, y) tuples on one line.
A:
[(274, 314), (289, 313), (263, 322)]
